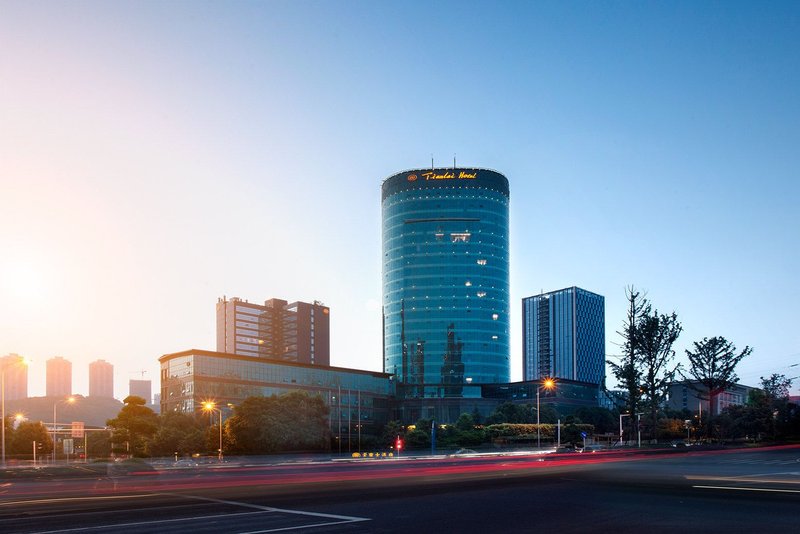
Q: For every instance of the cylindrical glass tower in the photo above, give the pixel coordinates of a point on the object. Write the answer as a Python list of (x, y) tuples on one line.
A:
[(445, 280)]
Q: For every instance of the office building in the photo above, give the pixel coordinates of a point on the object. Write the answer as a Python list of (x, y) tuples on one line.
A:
[(59, 377), (101, 379), (278, 330), (141, 388), (16, 377), (358, 400), (691, 395), (563, 336), (445, 280)]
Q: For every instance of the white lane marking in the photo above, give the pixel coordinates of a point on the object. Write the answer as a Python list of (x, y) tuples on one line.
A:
[(339, 519), (142, 523), (759, 479), (67, 499), (300, 526), (271, 509), (769, 490)]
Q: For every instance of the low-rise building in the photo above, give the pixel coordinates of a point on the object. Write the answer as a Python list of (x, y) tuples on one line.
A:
[(358, 400), (693, 396)]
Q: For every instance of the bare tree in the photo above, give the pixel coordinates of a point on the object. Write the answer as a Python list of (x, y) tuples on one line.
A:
[(656, 334), (712, 364)]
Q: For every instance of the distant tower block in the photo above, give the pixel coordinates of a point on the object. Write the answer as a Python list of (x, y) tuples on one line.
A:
[(143, 389), (16, 376), (59, 377), (101, 379)]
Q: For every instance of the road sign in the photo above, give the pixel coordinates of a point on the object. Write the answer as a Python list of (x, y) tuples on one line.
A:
[(77, 429)]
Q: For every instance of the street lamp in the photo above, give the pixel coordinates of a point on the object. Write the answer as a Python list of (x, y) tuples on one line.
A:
[(68, 400), (209, 406), (3, 367), (639, 429), (548, 384), (620, 425)]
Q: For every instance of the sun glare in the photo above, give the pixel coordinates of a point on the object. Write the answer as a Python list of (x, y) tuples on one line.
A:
[(22, 281)]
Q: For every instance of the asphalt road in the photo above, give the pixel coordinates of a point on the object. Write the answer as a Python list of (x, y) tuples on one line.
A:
[(700, 491)]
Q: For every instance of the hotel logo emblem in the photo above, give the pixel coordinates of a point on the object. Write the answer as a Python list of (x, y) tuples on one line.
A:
[(412, 177)]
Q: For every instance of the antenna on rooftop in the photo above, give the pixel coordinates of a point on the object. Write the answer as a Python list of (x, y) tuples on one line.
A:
[(454, 161), (431, 161)]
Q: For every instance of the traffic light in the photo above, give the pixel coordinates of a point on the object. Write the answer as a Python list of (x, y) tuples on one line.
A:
[(398, 444)]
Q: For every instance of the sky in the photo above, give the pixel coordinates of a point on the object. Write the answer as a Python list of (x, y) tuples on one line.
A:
[(156, 156)]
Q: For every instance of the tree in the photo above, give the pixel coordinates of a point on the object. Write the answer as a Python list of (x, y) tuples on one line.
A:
[(99, 444), (776, 387), (133, 426), (178, 433), (391, 430), (22, 439), (508, 412), (656, 334), (627, 370), (302, 422), (290, 422), (603, 420), (712, 364)]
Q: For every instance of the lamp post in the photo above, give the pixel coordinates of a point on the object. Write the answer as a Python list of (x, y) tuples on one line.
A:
[(639, 429), (548, 384), (620, 425), (211, 407), (68, 400), (3, 366)]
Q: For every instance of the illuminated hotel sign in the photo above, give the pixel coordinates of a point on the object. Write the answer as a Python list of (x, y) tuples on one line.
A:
[(431, 175)]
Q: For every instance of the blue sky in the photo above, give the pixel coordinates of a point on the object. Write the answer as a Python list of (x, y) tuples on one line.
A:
[(156, 156)]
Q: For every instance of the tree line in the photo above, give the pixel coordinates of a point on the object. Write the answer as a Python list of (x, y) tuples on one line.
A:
[(290, 422), (647, 368)]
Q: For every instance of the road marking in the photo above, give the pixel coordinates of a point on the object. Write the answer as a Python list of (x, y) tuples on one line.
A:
[(299, 527), (343, 518), (337, 519), (749, 478), (141, 523), (769, 490), (67, 499)]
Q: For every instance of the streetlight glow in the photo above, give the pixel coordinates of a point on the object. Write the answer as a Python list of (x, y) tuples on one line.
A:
[(548, 384), (211, 406)]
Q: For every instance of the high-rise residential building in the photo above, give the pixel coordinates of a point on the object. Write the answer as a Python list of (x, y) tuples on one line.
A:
[(445, 280), (101, 379), (563, 336), (141, 388), (295, 332), (16, 376), (59, 377)]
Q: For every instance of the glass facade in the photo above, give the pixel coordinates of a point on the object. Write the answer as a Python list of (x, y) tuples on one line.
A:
[(566, 397), (445, 280), (564, 336), (354, 397)]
